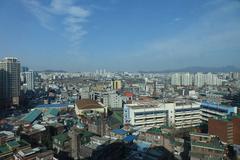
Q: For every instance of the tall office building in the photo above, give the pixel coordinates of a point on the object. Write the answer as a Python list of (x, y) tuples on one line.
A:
[(3, 89), (10, 80)]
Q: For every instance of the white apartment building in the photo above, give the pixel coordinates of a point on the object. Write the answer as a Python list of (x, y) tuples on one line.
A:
[(145, 115), (30, 80), (186, 79), (177, 114), (176, 79), (112, 100), (197, 79)]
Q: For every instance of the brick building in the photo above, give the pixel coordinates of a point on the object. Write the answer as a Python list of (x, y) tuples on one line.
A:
[(226, 129)]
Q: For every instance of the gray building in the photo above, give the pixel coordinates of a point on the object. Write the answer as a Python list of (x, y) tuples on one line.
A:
[(10, 80)]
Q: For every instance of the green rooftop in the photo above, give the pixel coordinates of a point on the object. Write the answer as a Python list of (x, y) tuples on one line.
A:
[(53, 112), (13, 144), (62, 138), (208, 145), (32, 116), (154, 130), (4, 149), (86, 136)]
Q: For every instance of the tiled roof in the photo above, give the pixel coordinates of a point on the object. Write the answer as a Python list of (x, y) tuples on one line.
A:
[(87, 104)]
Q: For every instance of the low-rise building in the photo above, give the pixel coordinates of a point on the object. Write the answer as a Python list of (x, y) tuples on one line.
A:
[(205, 146), (87, 106), (61, 142), (118, 133)]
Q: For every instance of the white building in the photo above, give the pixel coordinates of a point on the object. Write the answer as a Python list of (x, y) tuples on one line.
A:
[(186, 79), (29, 80), (176, 79), (177, 114), (112, 100), (199, 79)]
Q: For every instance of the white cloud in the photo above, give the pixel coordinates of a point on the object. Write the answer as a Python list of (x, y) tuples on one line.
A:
[(215, 34), (73, 15)]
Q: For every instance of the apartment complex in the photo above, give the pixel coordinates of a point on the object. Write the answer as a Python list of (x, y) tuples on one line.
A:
[(197, 79)]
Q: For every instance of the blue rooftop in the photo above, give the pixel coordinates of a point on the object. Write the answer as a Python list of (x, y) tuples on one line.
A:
[(52, 106), (129, 138), (222, 108), (119, 131), (32, 116)]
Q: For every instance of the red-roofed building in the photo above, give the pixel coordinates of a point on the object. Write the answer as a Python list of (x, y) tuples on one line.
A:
[(129, 95)]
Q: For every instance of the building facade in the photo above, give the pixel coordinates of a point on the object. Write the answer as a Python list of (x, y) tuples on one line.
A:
[(10, 80), (213, 110), (176, 114), (227, 129)]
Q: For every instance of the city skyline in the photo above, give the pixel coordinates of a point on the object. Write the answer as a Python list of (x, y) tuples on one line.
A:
[(120, 35)]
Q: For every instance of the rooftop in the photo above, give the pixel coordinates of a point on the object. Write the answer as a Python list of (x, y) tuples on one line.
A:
[(154, 130), (208, 145), (53, 105), (13, 144), (228, 109), (62, 137), (119, 131), (129, 138), (88, 104), (53, 112), (4, 149), (32, 116)]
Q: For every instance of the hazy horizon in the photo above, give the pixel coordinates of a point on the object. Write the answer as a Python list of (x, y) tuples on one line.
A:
[(115, 35)]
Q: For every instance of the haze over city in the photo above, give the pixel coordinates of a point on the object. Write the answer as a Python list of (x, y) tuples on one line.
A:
[(119, 80), (120, 35)]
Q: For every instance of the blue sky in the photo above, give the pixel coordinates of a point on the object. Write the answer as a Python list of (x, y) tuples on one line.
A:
[(131, 35)]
